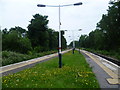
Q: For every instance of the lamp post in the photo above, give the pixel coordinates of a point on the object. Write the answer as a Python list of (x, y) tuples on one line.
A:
[(73, 39), (79, 41), (59, 53), (78, 44)]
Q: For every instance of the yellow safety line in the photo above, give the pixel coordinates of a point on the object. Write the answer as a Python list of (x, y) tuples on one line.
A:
[(25, 64), (29, 63), (108, 71)]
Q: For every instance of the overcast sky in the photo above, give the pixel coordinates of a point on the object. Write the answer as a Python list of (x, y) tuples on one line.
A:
[(19, 13)]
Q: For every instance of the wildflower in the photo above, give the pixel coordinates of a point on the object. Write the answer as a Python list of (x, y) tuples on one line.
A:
[(35, 72), (5, 81), (17, 80), (54, 72), (27, 85), (43, 74), (51, 84), (6, 85), (36, 84), (79, 74)]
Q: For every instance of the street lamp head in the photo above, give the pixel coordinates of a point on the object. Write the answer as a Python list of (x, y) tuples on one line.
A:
[(41, 5), (80, 30), (76, 4)]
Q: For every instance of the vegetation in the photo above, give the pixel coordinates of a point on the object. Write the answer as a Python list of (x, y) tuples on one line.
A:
[(9, 57), (107, 34), (112, 54), (37, 38), (19, 44), (15, 40), (75, 73)]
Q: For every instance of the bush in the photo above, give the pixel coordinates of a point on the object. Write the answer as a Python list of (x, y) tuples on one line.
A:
[(38, 49), (9, 57), (25, 45), (13, 42)]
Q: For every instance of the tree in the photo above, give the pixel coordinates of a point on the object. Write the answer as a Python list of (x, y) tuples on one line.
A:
[(4, 31), (37, 31), (107, 34), (53, 39), (63, 40), (99, 39), (82, 40), (20, 31), (13, 40), (41, 36), (110, 26)]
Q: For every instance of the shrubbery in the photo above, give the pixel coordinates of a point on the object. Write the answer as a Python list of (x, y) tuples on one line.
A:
[(105, 39), (14, 41), (19, 44), (9, 57)]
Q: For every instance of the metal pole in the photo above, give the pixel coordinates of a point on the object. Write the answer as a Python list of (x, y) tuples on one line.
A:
[(79, 46), (59, 49), (60, 55), (73, 42)]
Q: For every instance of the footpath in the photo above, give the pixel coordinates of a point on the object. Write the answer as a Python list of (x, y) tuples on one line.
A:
[(13, 68)]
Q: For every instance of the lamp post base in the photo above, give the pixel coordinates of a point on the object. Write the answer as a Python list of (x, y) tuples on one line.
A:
[(60, 60), (73, 50), (79, 50)]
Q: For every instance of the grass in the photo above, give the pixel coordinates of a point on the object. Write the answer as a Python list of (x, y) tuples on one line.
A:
[(75, 73)]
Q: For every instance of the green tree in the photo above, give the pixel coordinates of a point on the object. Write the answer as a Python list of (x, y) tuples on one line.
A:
[(20, 31), (13, 40), (110, 26), (53, 39), (99, 39), (82, 40), (37, 31), (107, 34), (41, 36), (63, 40)]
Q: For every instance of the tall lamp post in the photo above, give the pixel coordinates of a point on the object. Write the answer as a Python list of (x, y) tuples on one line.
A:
[(73, 39), (42, 5)]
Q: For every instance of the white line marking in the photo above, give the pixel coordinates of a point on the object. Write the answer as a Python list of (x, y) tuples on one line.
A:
[(109, 66)]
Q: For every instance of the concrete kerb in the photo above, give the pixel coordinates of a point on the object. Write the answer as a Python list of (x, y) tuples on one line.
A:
[(114, 77), (28, 62)]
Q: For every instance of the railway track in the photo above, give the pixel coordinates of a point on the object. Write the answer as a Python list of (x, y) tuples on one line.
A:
[(115, 61)]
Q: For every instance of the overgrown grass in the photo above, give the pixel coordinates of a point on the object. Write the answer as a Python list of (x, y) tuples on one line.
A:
[(9, 57), (75, 73)]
